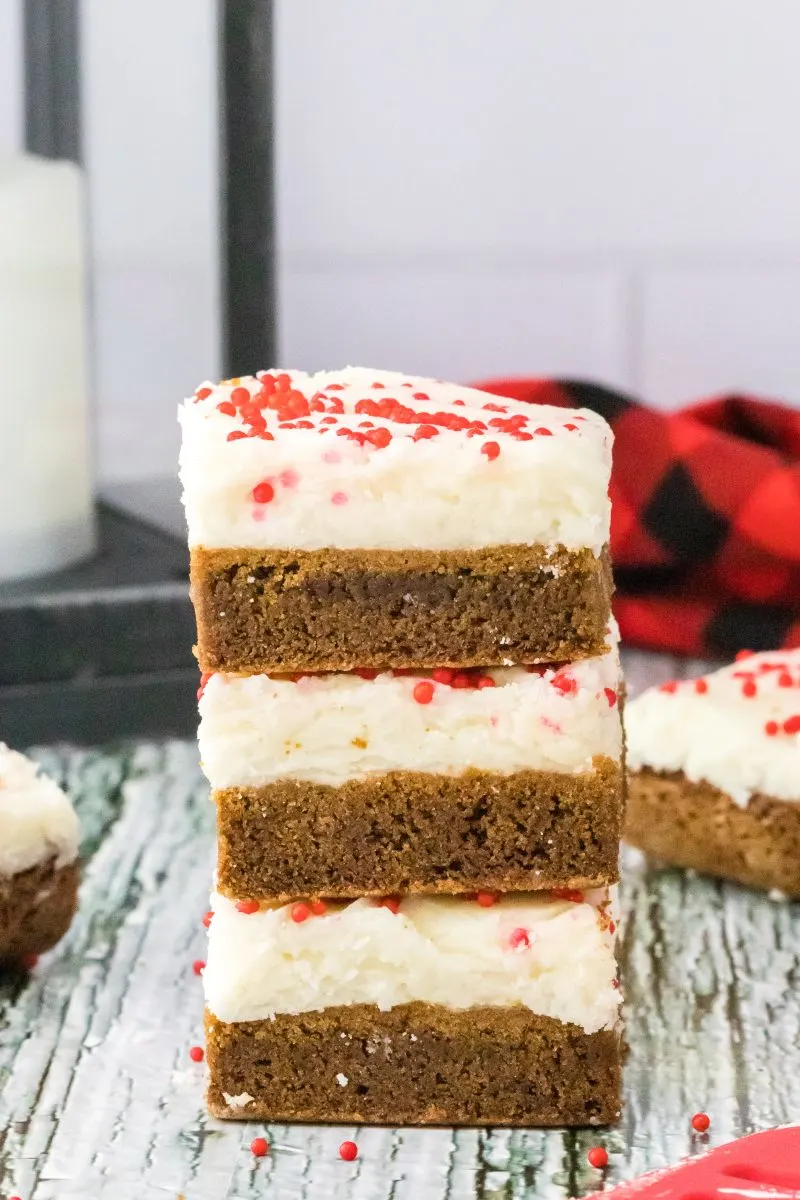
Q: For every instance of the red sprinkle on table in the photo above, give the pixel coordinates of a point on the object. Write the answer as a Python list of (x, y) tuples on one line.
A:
[(348, 1151), (263, 493), (487, 899), (259, 1147), (749, 688), (198, 966), (207, 919), (423, 692), (611, 696), (771, 728), (248, 907), (491, 450), (519, 939), (300, 912), (701, 1122), (319, 908), (597, 1157), (196, 1053)]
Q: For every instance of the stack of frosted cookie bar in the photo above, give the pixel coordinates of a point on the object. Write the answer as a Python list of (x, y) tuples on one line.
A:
[(410, 723)]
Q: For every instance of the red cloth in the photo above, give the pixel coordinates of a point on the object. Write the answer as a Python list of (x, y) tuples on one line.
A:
[(705, 526)]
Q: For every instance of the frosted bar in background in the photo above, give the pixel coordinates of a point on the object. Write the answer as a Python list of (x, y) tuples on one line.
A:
[(46, 512)]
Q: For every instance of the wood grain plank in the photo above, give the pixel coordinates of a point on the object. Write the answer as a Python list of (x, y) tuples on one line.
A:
[(98, 1097)]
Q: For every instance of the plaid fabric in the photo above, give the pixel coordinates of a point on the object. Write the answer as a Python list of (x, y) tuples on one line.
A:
[(705, 531)]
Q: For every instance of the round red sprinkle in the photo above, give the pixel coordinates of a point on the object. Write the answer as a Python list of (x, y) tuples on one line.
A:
[(378, 385), (379, 438), (236, 436), (518, 939), (443, 675), (423, 692), (283, 383), (743, 654), (459, 681), (749, 688), (207, 919), (670, 688), (543, 432), (226, 408), (785, 680), (196, 1053), (486, 899), (485, 681), (771, 728), (425, 431), (202, 393), (348, 1151), (248, 907), (339, 498), (611, 696), (597, 1157), (792, 725), (240, 395), (198, 966), (423, 396), (268, 385), (263, 493), (491, 450), (259, 1147), (300, 912), (700, 1122), (390, 902), (572, 428), (319, 908), (700, 686)]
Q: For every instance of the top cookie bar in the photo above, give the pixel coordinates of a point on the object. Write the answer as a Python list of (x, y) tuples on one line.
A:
[(335, 518)]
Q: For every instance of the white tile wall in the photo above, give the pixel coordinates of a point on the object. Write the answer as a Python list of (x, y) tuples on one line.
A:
[(466, 187)]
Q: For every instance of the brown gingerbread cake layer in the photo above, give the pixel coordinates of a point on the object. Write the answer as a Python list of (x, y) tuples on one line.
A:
[(697, 825), (36, 909), (417, 1064), (408, 831), (332, 610)]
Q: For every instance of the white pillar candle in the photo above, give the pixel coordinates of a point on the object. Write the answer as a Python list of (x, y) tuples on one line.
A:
[(46, 511)]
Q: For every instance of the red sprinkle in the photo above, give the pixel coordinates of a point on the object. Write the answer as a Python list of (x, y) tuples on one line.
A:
[(518, 938), (611, 696), (597, 1157), (459, 681), (487, 899), (700, 686), (443, 675), (379, 438), (423, 692), (319, 908), (670, 688), (491, 450), (390, 902), (573, 895), (348, 1151), (572, 428), (235, 436), (207, 919), (792, 724), (743, 654), (700, 1122), (365, 672), (198, 966), (544, 432), (339, 498), (425, 431), (485, 681), (248, 907), (204, 678), (226, 408), (564, 683), (300, 912), (785, 680), (771, 728), (196, 1053), (263, 493), (284, 382), (749, 688), (259, 1147), (202, 393)]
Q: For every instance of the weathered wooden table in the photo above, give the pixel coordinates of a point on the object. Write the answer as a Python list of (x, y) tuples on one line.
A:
[(98, 1097)]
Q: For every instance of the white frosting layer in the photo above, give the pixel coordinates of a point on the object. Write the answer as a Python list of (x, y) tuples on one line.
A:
[(37, 821), (447, 951), (729, 733), (439, 492), (331, 728)]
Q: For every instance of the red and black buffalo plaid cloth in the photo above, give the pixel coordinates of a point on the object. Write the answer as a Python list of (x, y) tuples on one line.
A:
[(705, 531)]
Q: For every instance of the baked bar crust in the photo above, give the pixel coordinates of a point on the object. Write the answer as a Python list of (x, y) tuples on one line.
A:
[(412, 832), (36, 909), (417, 1064), (333, 610), (699, 826)]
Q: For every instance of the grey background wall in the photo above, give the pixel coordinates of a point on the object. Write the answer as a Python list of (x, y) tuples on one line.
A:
[(465, 187)]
